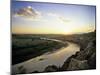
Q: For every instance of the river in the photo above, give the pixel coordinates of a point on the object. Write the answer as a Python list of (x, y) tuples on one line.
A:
[(56, 58)]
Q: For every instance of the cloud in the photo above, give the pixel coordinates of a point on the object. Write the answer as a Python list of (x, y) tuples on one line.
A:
[(27, 12), (52, 14), (64, 19), (59, 17)]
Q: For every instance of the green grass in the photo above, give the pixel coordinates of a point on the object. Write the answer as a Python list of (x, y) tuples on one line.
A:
[(25, 47)]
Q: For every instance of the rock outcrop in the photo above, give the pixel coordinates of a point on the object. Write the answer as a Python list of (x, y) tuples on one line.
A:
[(51, 68), (82, 60), (77, 64)]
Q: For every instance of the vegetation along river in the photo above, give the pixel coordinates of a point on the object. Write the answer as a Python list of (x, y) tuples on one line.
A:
[(50, 58)]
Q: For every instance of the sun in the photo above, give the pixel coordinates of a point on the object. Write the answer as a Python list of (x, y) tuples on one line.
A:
[(29, 7)]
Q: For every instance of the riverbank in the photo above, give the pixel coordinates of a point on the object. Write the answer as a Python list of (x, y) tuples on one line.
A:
[(38, 64)]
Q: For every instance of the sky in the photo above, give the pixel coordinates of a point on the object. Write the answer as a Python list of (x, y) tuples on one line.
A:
[(51, 18)]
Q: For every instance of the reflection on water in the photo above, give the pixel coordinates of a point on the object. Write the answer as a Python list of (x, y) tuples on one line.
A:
[(55, 58)]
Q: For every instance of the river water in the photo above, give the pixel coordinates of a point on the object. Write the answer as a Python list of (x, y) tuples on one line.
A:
[(56, 58)]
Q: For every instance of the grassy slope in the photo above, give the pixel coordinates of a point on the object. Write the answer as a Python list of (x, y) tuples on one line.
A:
[(25, 47)]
